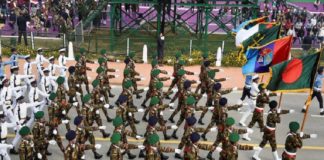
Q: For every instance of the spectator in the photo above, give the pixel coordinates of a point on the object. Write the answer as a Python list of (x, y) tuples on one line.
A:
[(307, 43), (291, 32), (22, 26), (160, 48), (299, 30), (321, 35)]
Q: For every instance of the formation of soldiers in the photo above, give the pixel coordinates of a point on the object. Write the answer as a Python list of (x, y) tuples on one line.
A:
[(51, 96)]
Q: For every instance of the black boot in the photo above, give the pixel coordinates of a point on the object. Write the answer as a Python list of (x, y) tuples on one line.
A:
[(48, 153), (130, 155), (210, 155), (200, 121), (166, 137), (144, 119), (174, 134), (97, 155), (109, 119), (164, 157), (138, 96), (141, 154), (111, 95), (143, 105), (171, 119), (177, 155), (13, 151), (203, 136), (303, 110), (104, 134)]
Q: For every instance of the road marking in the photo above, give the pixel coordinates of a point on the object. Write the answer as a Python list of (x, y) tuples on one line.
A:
[(320, 148), (317, 116)]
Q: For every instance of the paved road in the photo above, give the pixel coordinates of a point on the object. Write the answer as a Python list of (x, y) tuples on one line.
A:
[(313, 148)]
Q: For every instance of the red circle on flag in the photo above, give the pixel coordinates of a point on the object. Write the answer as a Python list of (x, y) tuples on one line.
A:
[(292, 71)]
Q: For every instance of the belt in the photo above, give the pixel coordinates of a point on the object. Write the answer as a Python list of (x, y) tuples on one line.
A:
[(253, 97), (270, 128), (259, 110), (289, 154), (8, 107), (317, 89), (247, 86)]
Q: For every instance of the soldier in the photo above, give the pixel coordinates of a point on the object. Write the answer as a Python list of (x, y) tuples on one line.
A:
[(26, 147), (84, 133), (294, 141), (269, 132), (53, 67), (262, 100), (39, 135), (21, 109), (98, 100), (75, 150), (61, 93), (117, 145), (40, 57), (230, 152), (246, 89), (34, 95), (189, 128), (224, 133), (47, 83), (104, 83), (28, 65), (219, 115), (130, 64), (191, 149), (3, 136), (107, 69), (153, 148), (176, 67), (62, 61), (15, 56), (16, 81), (82, 69), (74, 88)]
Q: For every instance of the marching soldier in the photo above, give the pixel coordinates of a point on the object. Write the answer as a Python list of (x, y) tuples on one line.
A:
[(26, 147), (246, 89), (47, 83), (107, 69), (269, 132), (62, 59), (28, 65), (15, 56), (191, 149), (74, 88), (219, 115), (81, 69), (16, 81), (104, 83), (130, 64), (34, 95), (98, 100), (53, 67), (294, 141), (176, 68), (3, 136), (21, 109)]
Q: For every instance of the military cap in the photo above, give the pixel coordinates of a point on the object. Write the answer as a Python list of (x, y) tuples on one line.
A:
[(294, 126), (153, 139), (154, 55), (223, 101), (182, 62), (158, 85), (39, 49), (127, 60), (71, 69), (95, 83), (70, 135), (118, 121), (181, 72), (103, 51), (211, 74), (24, 131), (154, 62), (86, 98), (234, 137), (127, 84), (155, 72), (254, 77), (217, 86), (194, 137), (39, 114), (51, 58), (62, 50), (27, 57), (207, 63), (78, 120), (82, 50), (152, 121), (115, 138), (187, 84), (52, 96), (273, 104), (60, 80), (205, 55), (101, 60), (154, 101), (190, 100), (99, 70), (14, 68), (230, 121), (191, 120)]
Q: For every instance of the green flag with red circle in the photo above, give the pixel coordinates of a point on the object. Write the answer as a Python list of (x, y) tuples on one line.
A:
[(294, 75)]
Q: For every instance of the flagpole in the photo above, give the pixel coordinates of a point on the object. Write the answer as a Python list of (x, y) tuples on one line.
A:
[(280, 99), (309, 99)]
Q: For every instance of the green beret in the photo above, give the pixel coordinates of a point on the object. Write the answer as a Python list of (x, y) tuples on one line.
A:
[(24, 131), (234, 137), (100, 70), (118, 121), (181, 72), (60, 80), (39, 114), (131, 54), (230, 121), (178, 55), (154, 101), (190, 100), (205, 55), (154, 62), (126, 72), (52, 96), (115, 138), (82, 50), (155, 72), (153, 139), (77, 57), (181, 62), (293, 126), (95, 83), (101, 60), (103, 51), (127, 84), (158, 85), (211, 74), (86, 98)]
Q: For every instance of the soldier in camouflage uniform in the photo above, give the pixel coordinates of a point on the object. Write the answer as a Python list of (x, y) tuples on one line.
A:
[(130, 64), (98, 100), (154, 149), (224, 133), (103, 76), (84, 132), (26, 147), (107, 69), (64, 106), (189, 128), (74, 88), (191, 149), (39, 134), (74, 150), (294, 141), (230, 152), (219, 115), (81, 69), (269, 131), (262, 100), (176, 68)]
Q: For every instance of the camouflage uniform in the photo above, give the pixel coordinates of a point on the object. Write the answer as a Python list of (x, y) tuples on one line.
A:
[(154, 149), (230, 152), (131, 66), (81, 70), (98, 100), (74, 87), (39, 134), (26, 146), (75, 150)]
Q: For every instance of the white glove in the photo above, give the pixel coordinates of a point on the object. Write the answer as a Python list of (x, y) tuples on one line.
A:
[(64, 112), (171, 105), (75, 104), (116, 70), (313, 136), (249, 130), (146, 88), (170, 74), (10, 146), (213, 129), (279, 110), (190, 59), (102, 127), (83, 157), (175, 90), (141, 110), (39, 156), (98, 146), (55, 132), (78, 85), (102, 99), (161, 113), (141, 147), (291, 111), (130, 114), (138, 137), (65, 121), (106, 106), (97, 112), (205, 95), (172, 78), (198, 81), (227, 78), (169, 60), (174, 127), (256, 148), (178, 151), (154, 148), (77, 93), (117, 60), (74, 99), (301, 134), (52, 142), (219, 149), (116, 76), (234, 89), (267, 93), (142, 78), (210, 108), (196, 74)]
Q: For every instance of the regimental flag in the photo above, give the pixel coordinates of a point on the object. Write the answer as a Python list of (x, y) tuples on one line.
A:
[(244, 34), (261, 38), (259, 59), (249, 23), (294, 75)]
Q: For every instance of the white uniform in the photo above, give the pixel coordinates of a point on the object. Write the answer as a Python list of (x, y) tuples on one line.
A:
[(34, 96), (251, 102), (48, 84), (20, 111), (3, 137), (7, 103), (53, 67), (41, 59), (16, 81), (28, 67), (62, 63)]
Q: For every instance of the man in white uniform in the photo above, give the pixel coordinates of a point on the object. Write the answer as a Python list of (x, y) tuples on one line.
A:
[(3, 136)]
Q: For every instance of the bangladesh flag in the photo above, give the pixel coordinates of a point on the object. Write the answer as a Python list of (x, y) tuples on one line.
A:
[(294, 75)]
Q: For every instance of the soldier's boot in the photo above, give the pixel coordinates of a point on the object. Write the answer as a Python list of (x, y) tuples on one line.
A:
[(107, 117), (164, 157), (143, 104), (178, 156), (97, 155), (256, 154), (275, 155), (13, 151), (141, 154), (67, 126), (174, 134), (166, 137), (47, 152), (200, 121), (203, 136), (104, 134), (130, 155), (210, 155), (110, 94), (145, 115)]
